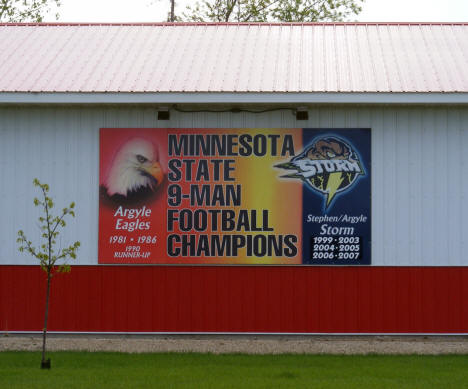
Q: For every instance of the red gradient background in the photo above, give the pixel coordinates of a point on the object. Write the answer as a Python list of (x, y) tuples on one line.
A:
[(111, 140)]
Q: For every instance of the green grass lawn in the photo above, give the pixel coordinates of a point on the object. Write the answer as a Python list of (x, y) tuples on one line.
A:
[(191, 370)]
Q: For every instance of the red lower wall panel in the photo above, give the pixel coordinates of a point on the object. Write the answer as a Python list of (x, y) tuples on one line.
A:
[(238, 299)]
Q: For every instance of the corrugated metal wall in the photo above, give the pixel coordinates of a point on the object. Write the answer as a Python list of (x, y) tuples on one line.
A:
[(238, 299), (419, 170), (419, 190)]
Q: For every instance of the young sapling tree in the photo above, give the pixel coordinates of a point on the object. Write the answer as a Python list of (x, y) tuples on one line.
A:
[(51, 259)]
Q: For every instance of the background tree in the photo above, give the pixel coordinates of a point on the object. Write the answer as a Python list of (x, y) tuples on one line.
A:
[(171, 17), (271, 10), (16, 11), (50, 259)]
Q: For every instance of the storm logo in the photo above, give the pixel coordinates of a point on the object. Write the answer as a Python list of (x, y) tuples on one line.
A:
[(328, 166)]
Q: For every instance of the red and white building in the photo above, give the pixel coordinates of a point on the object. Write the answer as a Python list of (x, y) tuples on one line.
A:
[(408, 83)]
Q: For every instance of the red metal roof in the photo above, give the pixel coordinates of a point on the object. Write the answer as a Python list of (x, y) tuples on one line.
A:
[(241, 57)]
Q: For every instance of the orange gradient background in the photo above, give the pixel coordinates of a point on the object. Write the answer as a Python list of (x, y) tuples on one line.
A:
[(262, 189)]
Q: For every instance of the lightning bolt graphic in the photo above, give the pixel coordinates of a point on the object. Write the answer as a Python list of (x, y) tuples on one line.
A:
[(334, 182)]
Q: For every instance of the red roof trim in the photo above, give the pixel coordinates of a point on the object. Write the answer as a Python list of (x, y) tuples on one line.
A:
[(164, 24)]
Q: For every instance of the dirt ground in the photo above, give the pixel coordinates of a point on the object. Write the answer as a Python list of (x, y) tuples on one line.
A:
[(243, 344)]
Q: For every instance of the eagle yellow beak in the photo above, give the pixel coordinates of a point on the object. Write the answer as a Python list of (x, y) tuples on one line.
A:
[(155, 171)]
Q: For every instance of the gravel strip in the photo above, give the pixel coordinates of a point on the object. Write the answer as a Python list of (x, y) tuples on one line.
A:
[(244, 344)]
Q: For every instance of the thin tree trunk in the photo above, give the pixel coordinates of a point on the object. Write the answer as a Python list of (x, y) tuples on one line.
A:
[(46, 316), (49, 275), (172, 10)]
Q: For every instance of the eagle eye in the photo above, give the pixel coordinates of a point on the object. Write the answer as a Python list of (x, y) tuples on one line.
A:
[(141, 159)]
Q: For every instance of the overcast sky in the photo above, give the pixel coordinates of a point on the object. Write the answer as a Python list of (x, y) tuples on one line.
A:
[(156, 10)]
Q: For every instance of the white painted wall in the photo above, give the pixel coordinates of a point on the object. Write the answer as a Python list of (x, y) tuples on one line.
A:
[(419, 172)]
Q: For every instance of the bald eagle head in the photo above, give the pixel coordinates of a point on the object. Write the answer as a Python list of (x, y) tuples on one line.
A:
[(135, 169)]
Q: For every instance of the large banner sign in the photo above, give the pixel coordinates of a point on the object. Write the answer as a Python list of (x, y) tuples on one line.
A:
[(235, 196)]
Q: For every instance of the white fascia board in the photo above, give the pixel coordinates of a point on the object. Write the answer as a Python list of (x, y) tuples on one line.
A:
[(231, 98)]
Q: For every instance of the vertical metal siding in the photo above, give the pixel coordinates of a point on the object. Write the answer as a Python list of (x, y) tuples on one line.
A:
[(419, 162), (238, 299)]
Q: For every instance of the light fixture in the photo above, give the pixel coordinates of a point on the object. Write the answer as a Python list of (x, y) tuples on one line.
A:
[(163, 113), (302, 113)]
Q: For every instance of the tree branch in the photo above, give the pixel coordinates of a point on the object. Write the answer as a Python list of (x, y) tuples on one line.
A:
[(229, 9)]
